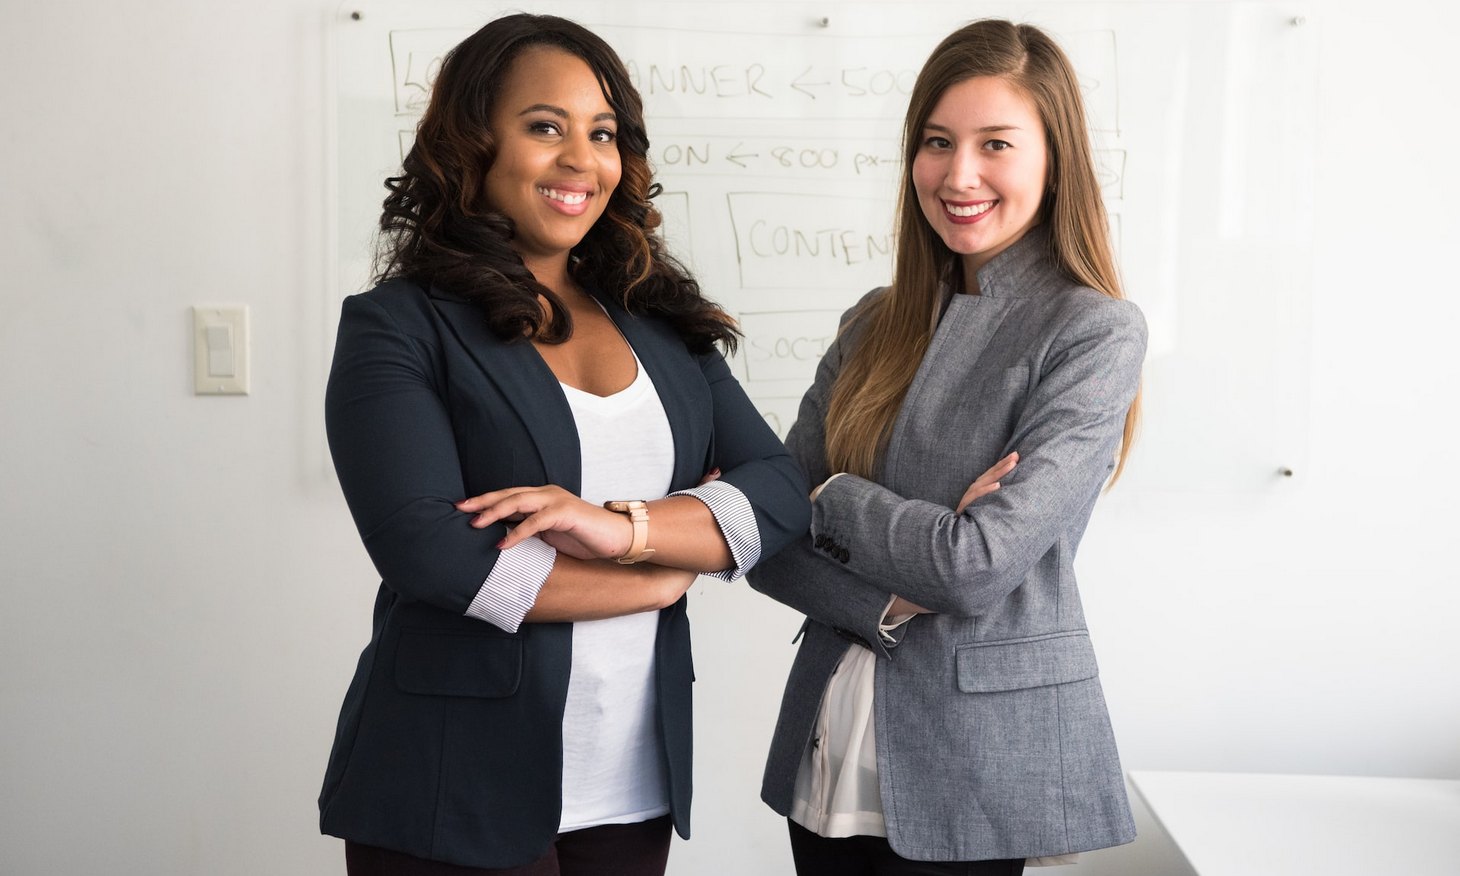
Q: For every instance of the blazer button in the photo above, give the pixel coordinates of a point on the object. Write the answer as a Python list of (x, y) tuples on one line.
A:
[(820, 540), (841, 554)]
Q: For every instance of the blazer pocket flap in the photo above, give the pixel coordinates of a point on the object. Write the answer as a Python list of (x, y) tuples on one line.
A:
[(1014, 664), (458, 664)]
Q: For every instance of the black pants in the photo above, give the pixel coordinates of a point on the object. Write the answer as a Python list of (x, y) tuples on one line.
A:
[(609, 850), (872, 856)]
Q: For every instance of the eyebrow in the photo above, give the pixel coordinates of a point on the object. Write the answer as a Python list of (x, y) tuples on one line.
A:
[(563, 114), (986, 129)]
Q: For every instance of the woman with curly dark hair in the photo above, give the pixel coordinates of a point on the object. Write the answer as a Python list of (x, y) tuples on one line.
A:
[(541, 447)]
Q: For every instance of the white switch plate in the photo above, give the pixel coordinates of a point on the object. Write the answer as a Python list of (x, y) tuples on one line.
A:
[(220, 350)]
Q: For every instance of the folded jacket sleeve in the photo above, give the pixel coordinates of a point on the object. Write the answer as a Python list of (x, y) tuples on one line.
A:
[(736, 519), (510, 591)]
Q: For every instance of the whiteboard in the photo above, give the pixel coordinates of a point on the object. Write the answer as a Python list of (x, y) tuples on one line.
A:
[(775, 129)]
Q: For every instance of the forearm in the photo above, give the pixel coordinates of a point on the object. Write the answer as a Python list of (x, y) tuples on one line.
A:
[(941, 558), (684, 535), (823, 590), (966, 561), (585, 590)]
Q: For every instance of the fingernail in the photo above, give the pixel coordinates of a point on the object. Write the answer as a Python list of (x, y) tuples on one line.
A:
[(501, 544)]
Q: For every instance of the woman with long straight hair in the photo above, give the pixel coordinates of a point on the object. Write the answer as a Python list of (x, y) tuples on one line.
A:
[(532, 356), (944, 713)]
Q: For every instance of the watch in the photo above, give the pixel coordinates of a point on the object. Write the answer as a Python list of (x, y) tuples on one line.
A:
[(638, 512)]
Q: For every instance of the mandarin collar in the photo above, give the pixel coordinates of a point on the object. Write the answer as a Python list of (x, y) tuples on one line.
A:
[(1020, 270)]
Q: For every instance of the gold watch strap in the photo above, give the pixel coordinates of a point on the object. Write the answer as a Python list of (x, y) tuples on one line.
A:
[(638, 512)]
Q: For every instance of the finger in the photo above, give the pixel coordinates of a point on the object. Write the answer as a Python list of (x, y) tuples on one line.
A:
[(999, 470), (477, 503), (528, 527), (1003, 466), (711, 475), (516, 506), (975, 493)]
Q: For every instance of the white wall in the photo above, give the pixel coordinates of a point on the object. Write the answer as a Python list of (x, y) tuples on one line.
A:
[(184, 594)]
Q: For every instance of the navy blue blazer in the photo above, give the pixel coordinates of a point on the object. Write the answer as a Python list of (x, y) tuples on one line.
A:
[(449, 742)]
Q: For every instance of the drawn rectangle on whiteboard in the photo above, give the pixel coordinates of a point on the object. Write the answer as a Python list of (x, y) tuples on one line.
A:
[(787, 344), (799, 241), (779, 412), (675, 229)]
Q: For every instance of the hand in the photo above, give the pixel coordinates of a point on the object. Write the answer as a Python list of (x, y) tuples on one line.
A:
[(821, 486), (711, 475), (988, 481), (577, 528), (902, 606)]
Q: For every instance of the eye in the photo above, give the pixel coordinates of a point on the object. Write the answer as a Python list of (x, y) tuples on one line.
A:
[(998, 145), (604, 135), (936, 142), (542, 126)]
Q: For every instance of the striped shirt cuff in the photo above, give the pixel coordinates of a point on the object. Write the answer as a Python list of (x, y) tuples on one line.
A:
[(511, 588), (736, 519)]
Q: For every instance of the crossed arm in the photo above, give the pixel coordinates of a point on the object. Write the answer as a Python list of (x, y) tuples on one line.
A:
[(395, 452), (965, 560)]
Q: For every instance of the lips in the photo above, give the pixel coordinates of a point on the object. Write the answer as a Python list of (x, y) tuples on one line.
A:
[(569, 200), (967, 212)]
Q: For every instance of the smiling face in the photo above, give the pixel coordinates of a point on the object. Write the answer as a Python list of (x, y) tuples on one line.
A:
[(557, 159), (980, 169)]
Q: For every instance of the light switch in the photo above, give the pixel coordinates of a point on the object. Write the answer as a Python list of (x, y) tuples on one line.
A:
[(220, 350)]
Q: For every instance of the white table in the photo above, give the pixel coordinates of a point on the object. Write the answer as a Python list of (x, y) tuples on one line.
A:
[(1251, 824)]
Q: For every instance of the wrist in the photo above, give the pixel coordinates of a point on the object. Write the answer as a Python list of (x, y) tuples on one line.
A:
[(637, 512)]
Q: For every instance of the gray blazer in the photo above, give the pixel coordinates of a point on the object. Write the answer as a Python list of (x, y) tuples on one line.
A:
[(993, 739)]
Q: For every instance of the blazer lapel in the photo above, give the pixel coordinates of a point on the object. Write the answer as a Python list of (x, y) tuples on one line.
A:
[(528, 385)]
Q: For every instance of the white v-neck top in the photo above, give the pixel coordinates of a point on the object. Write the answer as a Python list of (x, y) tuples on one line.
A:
[(613, 762), (613, 759)]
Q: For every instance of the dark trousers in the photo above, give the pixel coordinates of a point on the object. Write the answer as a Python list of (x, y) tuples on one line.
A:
[(872, 856), (640, 849)]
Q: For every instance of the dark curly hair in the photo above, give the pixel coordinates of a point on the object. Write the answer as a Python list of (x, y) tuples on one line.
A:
[(436, 227)]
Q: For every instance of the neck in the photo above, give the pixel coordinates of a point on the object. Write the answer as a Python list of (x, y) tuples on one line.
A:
[(970, 277), (551, 272)]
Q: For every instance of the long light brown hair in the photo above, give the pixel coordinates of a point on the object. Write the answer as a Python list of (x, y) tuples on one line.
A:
[(896, 328)]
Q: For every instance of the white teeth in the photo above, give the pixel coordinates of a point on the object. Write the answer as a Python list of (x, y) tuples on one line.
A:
[(569, 198), (975, 210)]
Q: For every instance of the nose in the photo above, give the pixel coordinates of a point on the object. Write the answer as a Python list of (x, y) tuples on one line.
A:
[(965, 171), (578, 153)]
